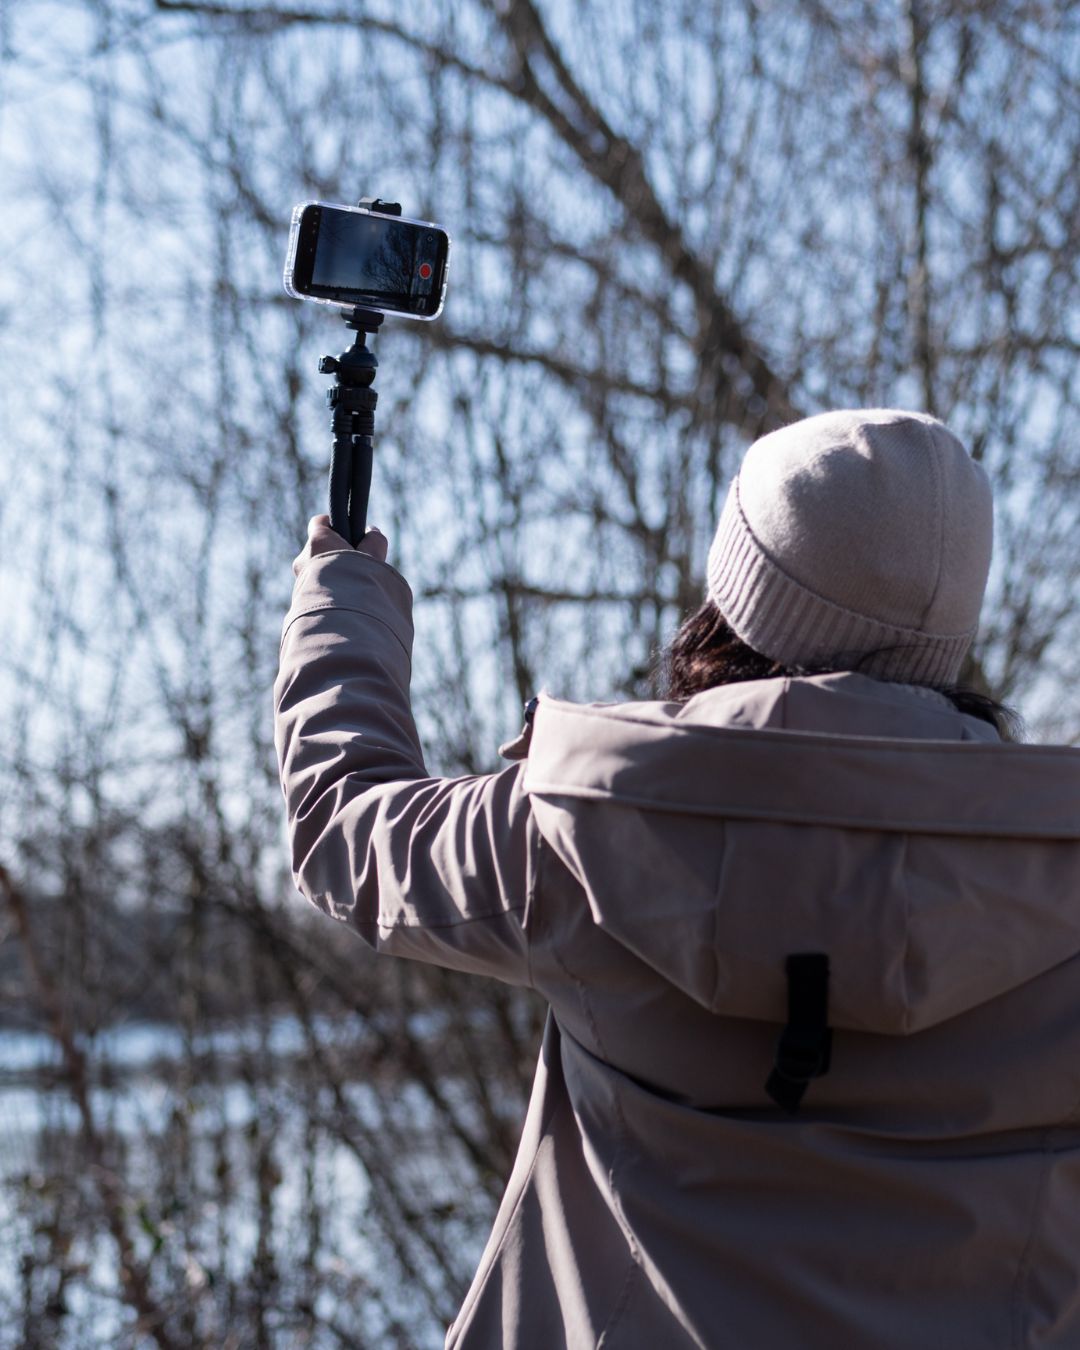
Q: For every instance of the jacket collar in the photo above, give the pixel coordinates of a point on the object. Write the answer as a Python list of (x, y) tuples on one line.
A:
[(783, 750)]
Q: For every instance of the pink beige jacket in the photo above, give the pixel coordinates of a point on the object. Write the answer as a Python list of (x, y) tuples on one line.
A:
[(649, 868)]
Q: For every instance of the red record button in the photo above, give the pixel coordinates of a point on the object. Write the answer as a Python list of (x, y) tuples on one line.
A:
[(425, 271)]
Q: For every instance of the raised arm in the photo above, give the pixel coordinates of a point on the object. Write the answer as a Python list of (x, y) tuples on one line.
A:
[(439, 870)]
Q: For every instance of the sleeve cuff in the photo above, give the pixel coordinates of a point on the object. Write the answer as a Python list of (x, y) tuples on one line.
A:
[(354, 581)]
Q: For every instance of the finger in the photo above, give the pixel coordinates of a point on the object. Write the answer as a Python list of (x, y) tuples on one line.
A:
[(321, 538), (374, 544)]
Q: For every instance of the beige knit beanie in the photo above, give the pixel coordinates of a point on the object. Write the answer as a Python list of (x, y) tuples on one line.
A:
[(856, 540)]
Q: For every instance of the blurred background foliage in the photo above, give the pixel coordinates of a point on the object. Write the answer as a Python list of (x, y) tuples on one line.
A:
[(676, 225)]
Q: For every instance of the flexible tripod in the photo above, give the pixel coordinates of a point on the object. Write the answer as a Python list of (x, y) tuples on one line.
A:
[(352, 403)]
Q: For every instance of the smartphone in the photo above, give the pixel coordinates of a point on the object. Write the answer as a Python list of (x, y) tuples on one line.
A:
[(348, 255)]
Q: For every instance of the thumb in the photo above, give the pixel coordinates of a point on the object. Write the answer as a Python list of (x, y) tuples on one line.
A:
[(374, 544)]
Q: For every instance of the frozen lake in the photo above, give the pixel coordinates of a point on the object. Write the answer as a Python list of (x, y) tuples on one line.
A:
[(245, 1177)]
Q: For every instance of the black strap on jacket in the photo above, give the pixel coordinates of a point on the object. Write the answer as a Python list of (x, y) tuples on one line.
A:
[(806, 1042)]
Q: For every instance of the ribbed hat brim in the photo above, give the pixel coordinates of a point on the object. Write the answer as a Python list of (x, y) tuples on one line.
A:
[(783, 620)]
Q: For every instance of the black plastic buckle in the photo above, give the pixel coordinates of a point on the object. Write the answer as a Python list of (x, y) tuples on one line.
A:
[(804, 1050)]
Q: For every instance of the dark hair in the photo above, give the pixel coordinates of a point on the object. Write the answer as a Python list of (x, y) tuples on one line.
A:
[(706, 651)]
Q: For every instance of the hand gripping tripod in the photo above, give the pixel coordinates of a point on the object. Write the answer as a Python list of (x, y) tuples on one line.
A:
[(352, 403)]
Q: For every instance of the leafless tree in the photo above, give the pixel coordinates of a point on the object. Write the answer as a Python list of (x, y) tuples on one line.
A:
[(675, 226)]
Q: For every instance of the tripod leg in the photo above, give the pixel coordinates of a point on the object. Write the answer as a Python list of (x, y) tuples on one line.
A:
[(359, 488), (341, 456)]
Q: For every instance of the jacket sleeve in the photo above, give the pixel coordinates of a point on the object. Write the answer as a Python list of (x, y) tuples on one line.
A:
[(434, 869)]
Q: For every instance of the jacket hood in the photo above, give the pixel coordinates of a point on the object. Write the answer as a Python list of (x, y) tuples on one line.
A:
[(937, 866)]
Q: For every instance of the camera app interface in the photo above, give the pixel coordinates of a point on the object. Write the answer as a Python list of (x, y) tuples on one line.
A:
[(387, 261)]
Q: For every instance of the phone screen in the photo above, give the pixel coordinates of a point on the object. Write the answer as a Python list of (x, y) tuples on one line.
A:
[(356, 258)]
